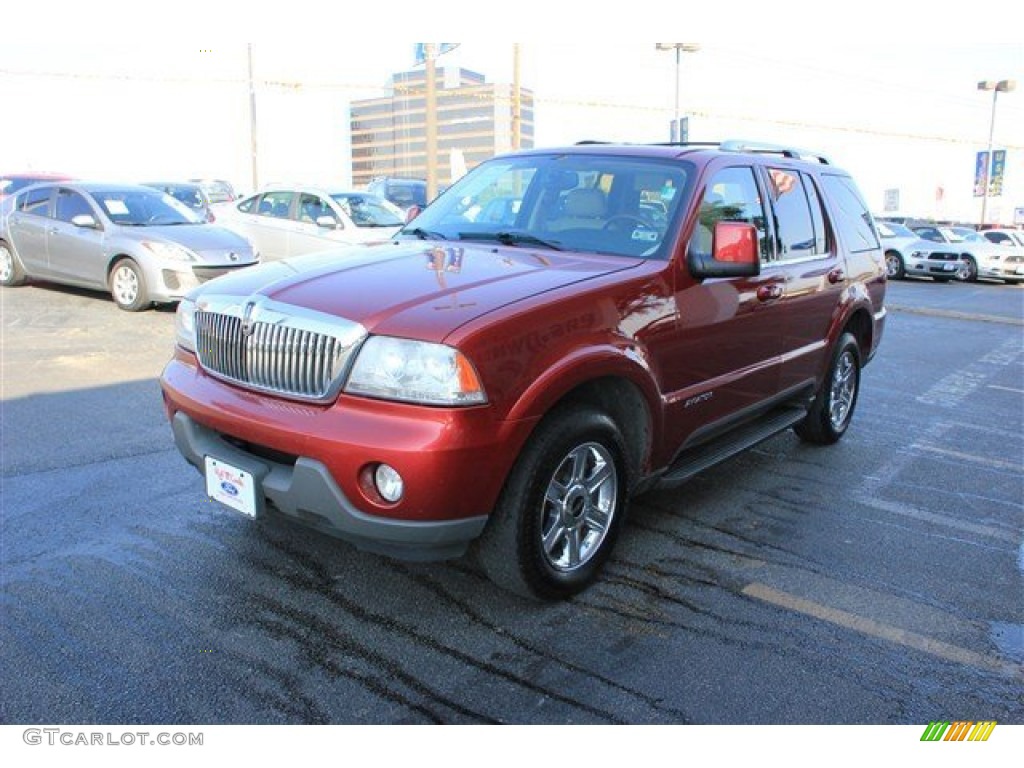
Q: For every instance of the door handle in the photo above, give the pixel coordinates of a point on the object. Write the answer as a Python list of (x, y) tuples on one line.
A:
[(54, 231), (836, 275), (769, 292)]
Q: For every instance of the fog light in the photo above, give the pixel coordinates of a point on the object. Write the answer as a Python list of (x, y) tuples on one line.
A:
[(389, 483)]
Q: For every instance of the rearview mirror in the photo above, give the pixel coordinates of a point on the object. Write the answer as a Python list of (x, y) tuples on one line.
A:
[(85, 221)]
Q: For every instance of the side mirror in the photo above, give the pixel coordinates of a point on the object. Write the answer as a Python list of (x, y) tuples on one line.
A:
[(733, 252), (85, 221), (327, 222), (412, 212)]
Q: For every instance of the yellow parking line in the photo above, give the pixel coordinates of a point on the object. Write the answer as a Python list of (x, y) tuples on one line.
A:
[(877, 629)]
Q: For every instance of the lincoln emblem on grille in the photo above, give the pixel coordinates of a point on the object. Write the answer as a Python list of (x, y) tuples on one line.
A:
[(247, 321)]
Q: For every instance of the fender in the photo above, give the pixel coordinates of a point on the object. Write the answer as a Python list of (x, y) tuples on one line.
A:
[(585, 365)]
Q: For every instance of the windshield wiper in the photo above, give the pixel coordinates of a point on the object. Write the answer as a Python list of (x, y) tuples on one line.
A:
[(510, 238), (423, 234)]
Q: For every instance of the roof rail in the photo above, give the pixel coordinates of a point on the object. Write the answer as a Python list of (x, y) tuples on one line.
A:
[(739, 145)]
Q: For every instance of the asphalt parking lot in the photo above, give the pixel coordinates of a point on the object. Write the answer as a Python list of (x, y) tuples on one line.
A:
[(876, 581)]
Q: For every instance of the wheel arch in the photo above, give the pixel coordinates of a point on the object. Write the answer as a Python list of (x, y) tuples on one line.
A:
[(610, 382)]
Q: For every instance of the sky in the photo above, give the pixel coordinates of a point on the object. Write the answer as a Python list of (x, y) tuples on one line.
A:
[(899, 111)]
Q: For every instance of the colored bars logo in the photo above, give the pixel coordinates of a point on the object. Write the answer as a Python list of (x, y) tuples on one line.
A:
[(962, 730)]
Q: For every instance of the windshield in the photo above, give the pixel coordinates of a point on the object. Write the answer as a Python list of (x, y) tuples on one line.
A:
[(572, 202), (968, 235), (891, 229), (142, 207), (369, 210)]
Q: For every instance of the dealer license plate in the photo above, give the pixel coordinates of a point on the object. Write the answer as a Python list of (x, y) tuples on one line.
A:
[(231, 486)]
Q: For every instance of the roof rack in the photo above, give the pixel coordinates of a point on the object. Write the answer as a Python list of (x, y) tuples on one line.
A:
[(732, 145), (738, 145)]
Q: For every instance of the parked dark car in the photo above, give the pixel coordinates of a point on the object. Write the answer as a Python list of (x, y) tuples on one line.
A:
[(405, 193), (507, 385), (189, 193)]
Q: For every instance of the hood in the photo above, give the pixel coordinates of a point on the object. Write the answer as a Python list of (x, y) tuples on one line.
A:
[(414, 289), (195, 237)]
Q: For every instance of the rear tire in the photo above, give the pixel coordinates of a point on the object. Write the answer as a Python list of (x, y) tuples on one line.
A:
[(562, 507), (832, 410), (128, 287), (11, 272)]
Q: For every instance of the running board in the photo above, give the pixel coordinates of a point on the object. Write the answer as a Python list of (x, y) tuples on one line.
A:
[(699, 458)]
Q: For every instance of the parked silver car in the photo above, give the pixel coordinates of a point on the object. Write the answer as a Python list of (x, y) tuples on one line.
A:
[(139, 243), (907, 254), (293, 221), (981, 258)]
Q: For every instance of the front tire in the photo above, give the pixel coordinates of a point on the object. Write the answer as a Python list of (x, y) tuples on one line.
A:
[(128, 287), (969, 271), (562, 507), (832, 410), (894, 267), (11, 272)]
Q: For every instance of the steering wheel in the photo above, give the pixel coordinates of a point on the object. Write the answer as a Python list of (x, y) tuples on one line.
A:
[(628, 218)]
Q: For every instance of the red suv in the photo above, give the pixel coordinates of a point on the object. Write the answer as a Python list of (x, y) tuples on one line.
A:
[(560, 330)]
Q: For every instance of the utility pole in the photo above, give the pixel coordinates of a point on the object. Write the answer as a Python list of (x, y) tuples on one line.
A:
[(1003, 86), (680, 49), (429, 54), (517, 101), (252, 126)]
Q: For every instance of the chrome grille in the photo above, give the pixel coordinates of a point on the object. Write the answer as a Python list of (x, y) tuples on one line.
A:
[(280, 357)]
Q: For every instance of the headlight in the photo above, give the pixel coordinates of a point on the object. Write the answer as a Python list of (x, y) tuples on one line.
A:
[(414, 372), (185, 325), (170, 251)]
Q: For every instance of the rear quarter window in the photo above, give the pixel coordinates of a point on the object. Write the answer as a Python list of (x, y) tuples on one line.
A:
[(852, 219)]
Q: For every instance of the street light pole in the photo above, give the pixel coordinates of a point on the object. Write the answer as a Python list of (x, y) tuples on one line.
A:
[(1004, 86), (680, 49)]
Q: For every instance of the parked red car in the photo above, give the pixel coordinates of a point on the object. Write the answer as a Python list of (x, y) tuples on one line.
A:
[(507, 381)]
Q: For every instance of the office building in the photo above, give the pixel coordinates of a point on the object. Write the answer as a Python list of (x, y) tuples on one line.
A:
[(474, 123)]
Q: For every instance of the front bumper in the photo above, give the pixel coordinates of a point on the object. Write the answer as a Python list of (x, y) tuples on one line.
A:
[(314, 462), (306, 492), (1010, 268), (171, 282)]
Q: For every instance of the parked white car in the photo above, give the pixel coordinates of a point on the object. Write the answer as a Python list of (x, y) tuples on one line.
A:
[(981, 258), (292, 221), (1008, 238), (907, 254)]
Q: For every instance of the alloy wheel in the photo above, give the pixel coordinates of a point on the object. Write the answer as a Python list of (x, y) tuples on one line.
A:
[(578, 506), (842, 390)]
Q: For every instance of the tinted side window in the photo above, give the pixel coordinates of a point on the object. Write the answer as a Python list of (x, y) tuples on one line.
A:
[(731, 195), (247, 206), (71, 204), (312, 207), (799, 233), (36, 201), (853, 221), (276, 204)]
